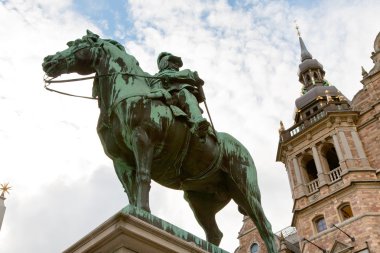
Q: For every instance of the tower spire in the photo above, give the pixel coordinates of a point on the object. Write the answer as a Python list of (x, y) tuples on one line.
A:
[(305, 54), (310, 72), (297, 28)]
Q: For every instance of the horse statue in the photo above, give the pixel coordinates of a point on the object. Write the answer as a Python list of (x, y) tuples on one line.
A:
[(145, 140)]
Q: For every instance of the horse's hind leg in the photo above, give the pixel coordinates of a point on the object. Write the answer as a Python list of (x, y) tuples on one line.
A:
[(127, 177), (205, 206), (249, 200)]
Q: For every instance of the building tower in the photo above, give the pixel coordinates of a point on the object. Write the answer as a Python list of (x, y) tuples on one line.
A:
[(332, 157)]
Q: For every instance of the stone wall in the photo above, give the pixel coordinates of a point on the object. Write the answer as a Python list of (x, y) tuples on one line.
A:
[(367, 101)]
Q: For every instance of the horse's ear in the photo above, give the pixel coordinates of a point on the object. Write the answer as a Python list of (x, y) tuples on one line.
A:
[(92, 35)]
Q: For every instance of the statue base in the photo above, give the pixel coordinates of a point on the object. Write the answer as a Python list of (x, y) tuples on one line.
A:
[(134, 230)]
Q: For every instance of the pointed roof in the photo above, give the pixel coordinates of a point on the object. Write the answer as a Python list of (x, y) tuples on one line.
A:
[(307, 61), (305, 54)]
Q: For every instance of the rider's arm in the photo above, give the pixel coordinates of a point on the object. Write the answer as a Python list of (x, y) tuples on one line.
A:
[(182, 76)]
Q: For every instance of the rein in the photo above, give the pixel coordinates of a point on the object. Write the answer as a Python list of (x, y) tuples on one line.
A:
[(48, 82)]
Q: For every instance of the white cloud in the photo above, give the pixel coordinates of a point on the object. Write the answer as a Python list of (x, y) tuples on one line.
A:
[(248, 56), (249, 59)]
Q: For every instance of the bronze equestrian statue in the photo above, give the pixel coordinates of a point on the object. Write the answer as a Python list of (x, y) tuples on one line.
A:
[(147, 136)]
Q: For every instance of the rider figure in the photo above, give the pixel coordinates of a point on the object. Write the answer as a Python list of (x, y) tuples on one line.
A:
[(181, 84)]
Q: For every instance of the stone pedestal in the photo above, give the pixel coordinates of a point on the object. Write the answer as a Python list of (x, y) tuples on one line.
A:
[(133, 230)]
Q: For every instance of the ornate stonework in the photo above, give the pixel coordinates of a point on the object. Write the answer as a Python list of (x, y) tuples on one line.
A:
[(332, 157)]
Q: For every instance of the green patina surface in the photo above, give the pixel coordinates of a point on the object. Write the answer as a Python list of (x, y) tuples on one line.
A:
[(138, 126), (170, 228)]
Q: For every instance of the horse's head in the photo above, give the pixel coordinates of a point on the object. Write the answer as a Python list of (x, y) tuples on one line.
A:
[(77, 58)]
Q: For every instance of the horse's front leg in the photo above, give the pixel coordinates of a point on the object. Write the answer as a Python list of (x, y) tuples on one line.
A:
[(143, 152)]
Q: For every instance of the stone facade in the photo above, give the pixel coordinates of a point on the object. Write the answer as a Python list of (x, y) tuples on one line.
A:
[(248, 236), (332, 157)]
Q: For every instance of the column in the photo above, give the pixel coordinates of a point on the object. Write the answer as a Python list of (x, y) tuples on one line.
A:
[(358, 144), (346, 148), (318, 164), (317, 160), (290, 178), (297, 171), (337, 148)]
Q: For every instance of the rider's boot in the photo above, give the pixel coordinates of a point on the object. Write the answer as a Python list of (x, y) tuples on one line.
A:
[(200, 128), (189, 104)]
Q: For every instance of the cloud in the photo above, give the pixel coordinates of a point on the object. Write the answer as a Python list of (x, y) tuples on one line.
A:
[(246, 51), (52, 222)]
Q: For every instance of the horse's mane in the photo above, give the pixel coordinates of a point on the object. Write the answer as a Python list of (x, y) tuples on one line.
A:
[(115, 43), (94, 38)]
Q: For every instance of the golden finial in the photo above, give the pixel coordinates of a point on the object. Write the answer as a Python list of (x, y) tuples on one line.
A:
[(4, 189), (297, 28)]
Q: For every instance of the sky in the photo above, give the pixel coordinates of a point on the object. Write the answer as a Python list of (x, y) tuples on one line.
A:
[(246, 51)]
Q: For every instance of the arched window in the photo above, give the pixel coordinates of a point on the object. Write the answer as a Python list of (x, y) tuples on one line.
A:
[(308, 79), (345, 211), (255, 248), (315, 76), (310, 173), (331, 157), (330, 162), (310, 169), (320, 224)]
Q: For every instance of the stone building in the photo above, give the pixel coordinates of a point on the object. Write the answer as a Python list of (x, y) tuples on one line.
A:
[(332, 157)]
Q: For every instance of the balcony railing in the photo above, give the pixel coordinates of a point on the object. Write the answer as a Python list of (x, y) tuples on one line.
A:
[(334, 175), (312, 119), (313, 186)]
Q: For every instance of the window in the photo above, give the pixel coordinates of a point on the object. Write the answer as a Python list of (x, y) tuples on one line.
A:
[(332, 158), (310, 173), (345, 211), (255, 248), (311, 170), (320, 224), (330, 162)]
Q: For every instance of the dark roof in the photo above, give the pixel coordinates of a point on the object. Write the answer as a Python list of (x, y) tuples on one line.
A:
[(309, 64), (312, 94)]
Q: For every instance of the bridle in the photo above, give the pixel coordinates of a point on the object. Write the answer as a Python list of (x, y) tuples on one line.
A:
[(49, 81)]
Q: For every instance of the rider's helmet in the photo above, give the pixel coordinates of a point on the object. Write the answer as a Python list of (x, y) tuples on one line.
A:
[(164, 58)]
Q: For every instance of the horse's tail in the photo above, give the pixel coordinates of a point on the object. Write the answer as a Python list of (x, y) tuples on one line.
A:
[(241, 166)]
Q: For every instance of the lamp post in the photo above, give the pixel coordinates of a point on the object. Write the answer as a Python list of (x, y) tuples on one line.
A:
[(4, 188)]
